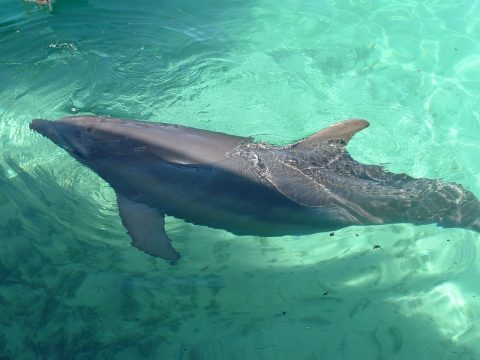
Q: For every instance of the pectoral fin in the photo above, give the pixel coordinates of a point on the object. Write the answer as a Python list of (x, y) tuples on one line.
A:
[(146, 226)]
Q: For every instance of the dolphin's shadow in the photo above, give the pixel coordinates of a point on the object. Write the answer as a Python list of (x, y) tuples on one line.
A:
[(72, 287)]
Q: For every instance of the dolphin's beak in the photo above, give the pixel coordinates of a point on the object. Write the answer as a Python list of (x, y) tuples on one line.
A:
[(46, 128), (62, 134), (49, 129)]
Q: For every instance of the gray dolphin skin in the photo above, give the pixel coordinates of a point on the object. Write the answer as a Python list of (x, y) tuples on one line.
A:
[(249, 188)]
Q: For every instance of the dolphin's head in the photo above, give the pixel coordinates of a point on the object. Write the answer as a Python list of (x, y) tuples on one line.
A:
[(85, 137), (97, 137)]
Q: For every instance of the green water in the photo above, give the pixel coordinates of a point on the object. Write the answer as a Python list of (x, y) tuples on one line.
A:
[(72, 286)]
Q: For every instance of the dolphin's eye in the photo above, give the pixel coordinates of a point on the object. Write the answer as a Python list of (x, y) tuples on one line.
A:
[(90, 130)]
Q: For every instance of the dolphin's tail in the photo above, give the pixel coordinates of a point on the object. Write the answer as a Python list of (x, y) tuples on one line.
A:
[(426, 201), (472, 224), (476, 225), (463, 213)]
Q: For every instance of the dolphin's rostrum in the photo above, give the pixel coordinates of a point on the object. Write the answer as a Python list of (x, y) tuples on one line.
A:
[(233, 183)]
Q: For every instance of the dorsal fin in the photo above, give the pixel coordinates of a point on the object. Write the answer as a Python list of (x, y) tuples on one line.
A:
[(341, 132)]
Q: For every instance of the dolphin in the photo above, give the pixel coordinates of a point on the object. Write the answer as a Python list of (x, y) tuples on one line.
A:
[(247, 187)]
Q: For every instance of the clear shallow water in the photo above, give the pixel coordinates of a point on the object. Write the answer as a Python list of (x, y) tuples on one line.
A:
[(72, 286)]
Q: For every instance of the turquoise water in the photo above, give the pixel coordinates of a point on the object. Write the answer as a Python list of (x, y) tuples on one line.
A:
[(72, 286)]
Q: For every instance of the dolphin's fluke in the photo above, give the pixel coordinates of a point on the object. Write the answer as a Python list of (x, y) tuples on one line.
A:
[(342, 132), (146, 226)]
